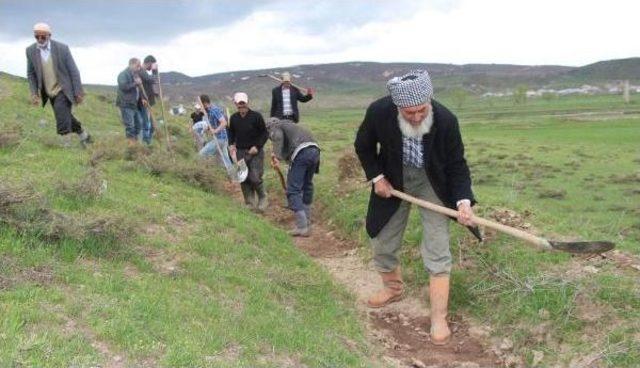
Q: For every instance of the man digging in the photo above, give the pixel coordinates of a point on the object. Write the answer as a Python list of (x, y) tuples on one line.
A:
[(295, 145), (54, 77), (247, 136), (412, 143)]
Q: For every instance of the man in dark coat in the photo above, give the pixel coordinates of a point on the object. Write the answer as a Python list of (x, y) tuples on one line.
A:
[(53, 76), (150, 88), (412, 143), (285, 97)]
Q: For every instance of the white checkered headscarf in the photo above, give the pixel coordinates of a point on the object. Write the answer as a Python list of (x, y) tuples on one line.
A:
[(411, 89)]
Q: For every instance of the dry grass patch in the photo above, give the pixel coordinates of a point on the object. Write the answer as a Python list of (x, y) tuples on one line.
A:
[(89, 187), (30, 213)]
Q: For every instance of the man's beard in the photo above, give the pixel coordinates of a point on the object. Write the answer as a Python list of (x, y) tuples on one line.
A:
[(410, 131)]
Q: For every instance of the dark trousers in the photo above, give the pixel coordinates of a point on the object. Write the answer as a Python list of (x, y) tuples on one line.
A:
[(65, 121), (255, 163), (300, 178)]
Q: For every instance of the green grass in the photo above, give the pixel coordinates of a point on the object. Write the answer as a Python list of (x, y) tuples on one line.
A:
[(199, 282), (574, 178)]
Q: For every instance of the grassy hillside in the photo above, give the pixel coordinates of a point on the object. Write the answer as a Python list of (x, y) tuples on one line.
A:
[(145, 261)]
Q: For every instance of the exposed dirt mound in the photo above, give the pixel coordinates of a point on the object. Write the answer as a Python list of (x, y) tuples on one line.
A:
[(9, 138), (511, 218), (349, 168)]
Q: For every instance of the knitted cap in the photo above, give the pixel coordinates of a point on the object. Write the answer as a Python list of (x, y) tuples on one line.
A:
[(411, 89)]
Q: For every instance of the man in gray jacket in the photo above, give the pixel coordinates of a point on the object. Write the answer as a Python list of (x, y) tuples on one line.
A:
[(53, 76), (295, 145), (131, 100)]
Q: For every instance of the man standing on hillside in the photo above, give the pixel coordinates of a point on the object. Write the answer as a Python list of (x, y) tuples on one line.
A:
[(247, 136), (295, 145), (131, 101), (150, 86), (412, 143), (54, 76), (285, 97)]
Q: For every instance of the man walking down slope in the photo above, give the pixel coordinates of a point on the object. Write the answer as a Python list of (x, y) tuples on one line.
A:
[(53, 76)]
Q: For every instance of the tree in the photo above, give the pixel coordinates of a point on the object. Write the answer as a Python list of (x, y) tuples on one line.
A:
[(549, 96), (459, 96), (520, 94)]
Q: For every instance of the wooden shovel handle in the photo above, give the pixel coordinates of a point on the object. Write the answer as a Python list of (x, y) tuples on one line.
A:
[(302, 89), (535, 240), (277, 169)]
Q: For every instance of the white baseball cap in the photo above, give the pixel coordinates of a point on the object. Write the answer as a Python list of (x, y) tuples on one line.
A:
[(286, 77), (42, 27), (240, 97)]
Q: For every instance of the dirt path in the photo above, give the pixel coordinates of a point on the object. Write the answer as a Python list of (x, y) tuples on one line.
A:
[(401, 329)]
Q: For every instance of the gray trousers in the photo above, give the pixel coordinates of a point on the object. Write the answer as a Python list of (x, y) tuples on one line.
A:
[(436, 254)]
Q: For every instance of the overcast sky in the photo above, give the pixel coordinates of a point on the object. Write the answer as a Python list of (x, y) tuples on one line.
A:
[(198, 37)]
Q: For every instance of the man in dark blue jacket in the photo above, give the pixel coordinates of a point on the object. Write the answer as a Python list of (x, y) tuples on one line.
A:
[(412, 143), (285, 97)]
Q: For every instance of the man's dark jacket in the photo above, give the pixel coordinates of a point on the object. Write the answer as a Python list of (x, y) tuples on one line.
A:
[(295, 96), (444, 161), (128, 94), (66, 71), (149, 83)]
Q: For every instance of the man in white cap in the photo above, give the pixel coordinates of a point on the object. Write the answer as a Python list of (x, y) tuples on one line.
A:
[(412, 143), (285, 97), (53, 76), (247, 137)]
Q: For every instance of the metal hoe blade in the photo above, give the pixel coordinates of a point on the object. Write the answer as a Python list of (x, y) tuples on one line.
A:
[(583, 247), (239, 172)]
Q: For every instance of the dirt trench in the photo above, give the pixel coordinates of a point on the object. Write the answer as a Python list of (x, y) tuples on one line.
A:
[(399, 331)]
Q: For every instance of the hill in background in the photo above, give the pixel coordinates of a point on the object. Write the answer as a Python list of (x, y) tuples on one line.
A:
[(354, 84)]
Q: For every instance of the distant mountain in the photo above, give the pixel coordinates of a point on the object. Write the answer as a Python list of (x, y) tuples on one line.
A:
[(604, 71), (355, 83)]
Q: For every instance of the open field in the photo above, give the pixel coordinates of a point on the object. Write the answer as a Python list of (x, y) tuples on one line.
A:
[(123, 260)]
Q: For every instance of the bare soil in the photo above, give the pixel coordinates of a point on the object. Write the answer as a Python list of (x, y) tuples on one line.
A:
[(399, 331)]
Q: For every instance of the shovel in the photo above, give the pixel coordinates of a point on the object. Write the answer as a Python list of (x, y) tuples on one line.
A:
[(580, 247), (239, 171), (280, 175), (302, 89)]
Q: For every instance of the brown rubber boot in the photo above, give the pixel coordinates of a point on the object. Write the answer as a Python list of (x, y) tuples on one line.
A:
[(392, 291), (439, 299)]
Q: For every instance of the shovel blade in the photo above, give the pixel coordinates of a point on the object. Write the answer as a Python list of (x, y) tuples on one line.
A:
[(583, 247), (242, 165), (239, 172)]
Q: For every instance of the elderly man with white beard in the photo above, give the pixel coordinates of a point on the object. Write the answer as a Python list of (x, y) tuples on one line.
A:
[(412, 143)]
